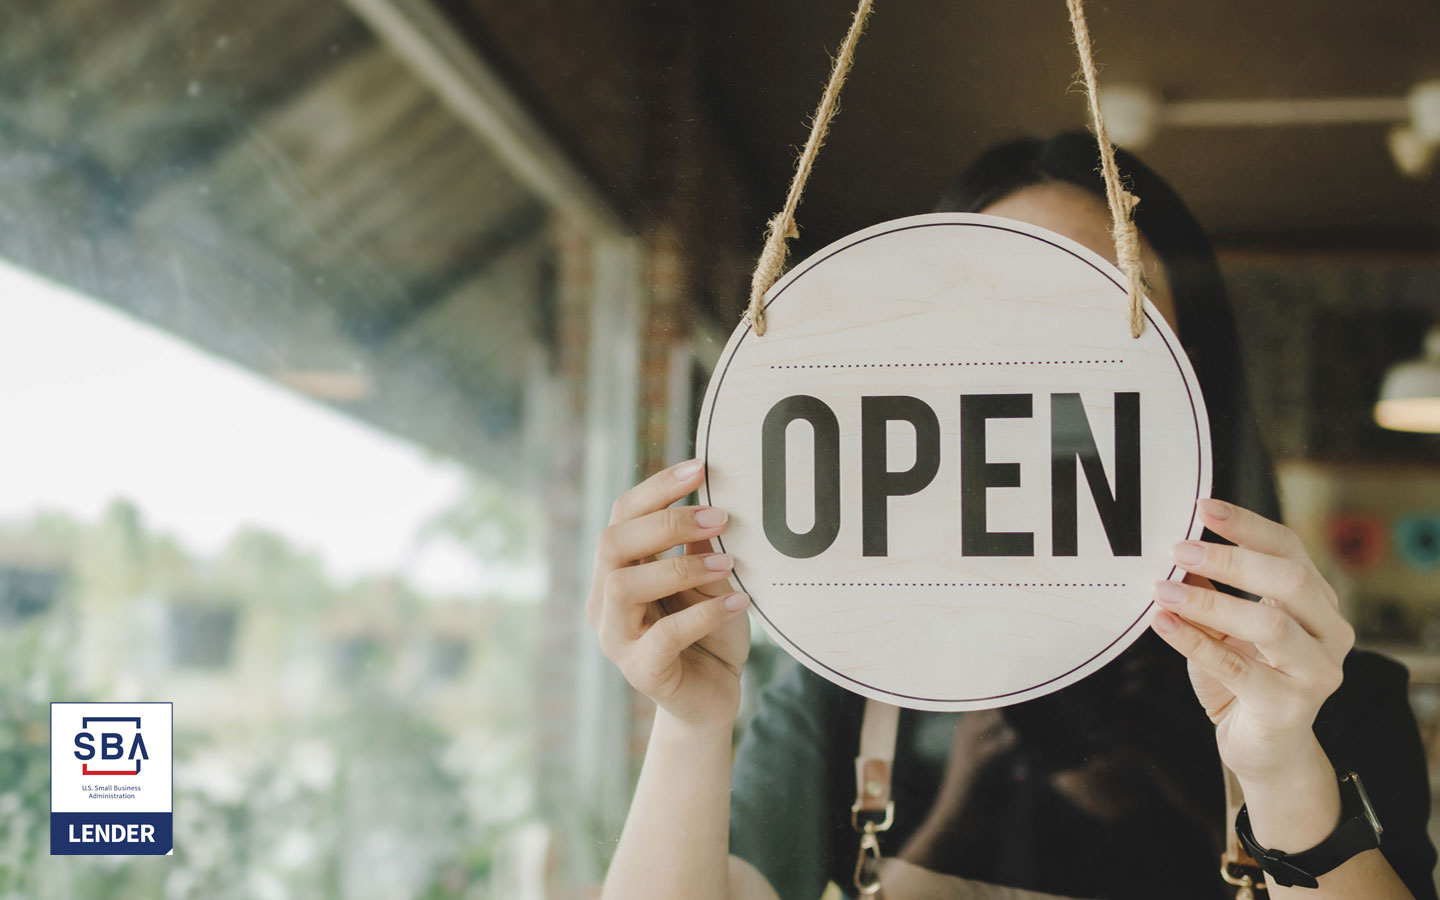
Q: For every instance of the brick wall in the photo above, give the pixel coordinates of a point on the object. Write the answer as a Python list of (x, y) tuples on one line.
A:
[(690, 206), (564, 496)]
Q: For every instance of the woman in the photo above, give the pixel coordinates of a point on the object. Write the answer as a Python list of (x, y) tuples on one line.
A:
[(1109, 788)]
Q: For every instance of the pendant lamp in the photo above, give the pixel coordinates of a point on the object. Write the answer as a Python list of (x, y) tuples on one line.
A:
[(1410, 395)]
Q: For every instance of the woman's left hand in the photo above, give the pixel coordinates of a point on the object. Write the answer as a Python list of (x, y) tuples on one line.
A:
[(1261, 670)]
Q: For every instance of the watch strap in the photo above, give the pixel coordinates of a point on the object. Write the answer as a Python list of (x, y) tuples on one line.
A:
[(1354, 835)]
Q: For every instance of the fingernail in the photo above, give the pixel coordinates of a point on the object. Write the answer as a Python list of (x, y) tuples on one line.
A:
[(1189, 553), (719, 562), (1169, 593), (736, 601), (686, 470), (1215, 509), (710, 517), (1165, 623)]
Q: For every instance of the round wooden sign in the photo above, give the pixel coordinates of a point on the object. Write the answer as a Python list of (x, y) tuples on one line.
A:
[(953, 477)]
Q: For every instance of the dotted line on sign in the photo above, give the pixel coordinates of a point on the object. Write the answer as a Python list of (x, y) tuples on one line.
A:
[(924, 365), (944, 584)]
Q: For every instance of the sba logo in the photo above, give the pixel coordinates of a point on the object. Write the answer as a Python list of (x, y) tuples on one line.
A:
[(96, 808), (114, 752)]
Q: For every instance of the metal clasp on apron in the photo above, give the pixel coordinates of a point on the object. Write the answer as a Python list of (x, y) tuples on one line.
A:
[(867, 863), (1236, 866), (1245, 884)]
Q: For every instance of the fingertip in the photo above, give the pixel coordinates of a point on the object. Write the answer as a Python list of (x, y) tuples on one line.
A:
[(710, 517), (1215, 510), (1169, 593), (719, 562), (1188, 553), (1165, 622), (686, 471), (736, 602)]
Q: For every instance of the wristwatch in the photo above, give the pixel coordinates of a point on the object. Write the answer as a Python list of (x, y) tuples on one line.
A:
[(1359, 830)]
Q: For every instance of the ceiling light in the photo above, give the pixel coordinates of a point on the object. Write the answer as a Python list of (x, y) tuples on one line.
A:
[(1410, 395), (1131, 113), (1135, 113), (1412, 154), (1424, 102)]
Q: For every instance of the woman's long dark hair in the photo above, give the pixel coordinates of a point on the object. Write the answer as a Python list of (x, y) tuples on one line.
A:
[(1131, 704), (1206, 325)]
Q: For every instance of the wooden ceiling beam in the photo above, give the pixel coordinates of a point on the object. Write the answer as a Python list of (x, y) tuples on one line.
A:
[(474, 91)]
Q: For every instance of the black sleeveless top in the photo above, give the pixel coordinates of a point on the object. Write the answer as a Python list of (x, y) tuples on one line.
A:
[(1111, 788)]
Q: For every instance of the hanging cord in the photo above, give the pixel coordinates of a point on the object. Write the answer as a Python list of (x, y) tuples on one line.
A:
[(782, 226), (1122, 202)]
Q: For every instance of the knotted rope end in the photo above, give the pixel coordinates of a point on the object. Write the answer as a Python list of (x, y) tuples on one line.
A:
[(1122, 203), (785, 227), (1127, 252), (1137, 309), (756, 318), (782, 227)]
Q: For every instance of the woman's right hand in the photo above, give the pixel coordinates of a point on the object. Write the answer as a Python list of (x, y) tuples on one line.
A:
[(672, 625)]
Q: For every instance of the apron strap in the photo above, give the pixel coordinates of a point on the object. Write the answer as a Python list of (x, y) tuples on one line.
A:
[(877, 758), (874, 810)]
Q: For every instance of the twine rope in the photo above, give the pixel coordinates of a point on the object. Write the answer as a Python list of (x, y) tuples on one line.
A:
[(782, 226), (1122, 202)]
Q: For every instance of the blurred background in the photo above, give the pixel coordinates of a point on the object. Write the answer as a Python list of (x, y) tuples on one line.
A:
[(329, 331)]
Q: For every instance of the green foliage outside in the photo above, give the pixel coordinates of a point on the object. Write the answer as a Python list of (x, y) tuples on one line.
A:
[(399, 776)]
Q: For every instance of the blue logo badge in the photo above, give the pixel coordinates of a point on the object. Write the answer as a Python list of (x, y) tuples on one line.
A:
[(110, 779)]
